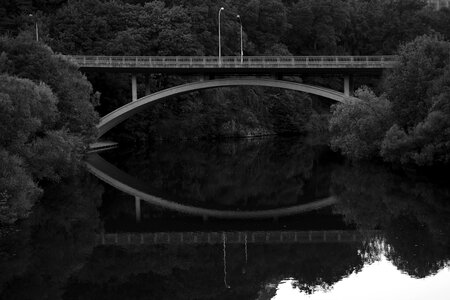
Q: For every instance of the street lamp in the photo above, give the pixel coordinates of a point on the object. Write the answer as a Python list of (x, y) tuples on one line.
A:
[(220, 48), (36, 28), (242, 51)]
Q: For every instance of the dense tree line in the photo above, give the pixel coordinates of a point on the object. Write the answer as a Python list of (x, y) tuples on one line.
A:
[(180, 27)]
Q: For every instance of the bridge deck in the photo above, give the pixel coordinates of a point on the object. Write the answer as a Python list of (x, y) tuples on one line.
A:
[(252, 237), (233, 64)]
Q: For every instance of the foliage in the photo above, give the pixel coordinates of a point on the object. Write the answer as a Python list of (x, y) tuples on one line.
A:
[(31, 150), (301, 26), (45, 124), (420, 91), (358, 128), (425, 145), (54, 156), (26, 110), (120, 29), (417, 79), (27, 59), (412, 124), (18, 191)]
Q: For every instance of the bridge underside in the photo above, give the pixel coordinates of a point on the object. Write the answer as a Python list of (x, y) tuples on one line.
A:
[(121, 114)]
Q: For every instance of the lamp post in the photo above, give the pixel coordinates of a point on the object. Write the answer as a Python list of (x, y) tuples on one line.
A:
[(242, 51), (220, 48), (36, 28)]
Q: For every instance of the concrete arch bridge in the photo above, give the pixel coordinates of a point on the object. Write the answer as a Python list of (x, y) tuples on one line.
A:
[(235, 66)]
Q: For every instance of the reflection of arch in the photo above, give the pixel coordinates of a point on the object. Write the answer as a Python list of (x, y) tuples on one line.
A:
[(128, 184), (121, 114)]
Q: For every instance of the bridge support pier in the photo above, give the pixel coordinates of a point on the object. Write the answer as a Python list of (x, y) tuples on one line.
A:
[(133, 87), (137, 203), (348, 85)]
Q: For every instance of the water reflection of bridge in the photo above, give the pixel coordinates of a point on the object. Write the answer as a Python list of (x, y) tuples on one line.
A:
[(238, 237), (117, 178)]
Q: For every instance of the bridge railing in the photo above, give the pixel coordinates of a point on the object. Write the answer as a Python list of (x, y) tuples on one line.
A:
[(255, 237), (235, 61)]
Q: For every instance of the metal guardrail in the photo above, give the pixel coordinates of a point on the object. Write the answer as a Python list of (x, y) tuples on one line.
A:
[(234, 61)]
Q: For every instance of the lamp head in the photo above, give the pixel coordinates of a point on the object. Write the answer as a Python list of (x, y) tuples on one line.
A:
[(222, 8)]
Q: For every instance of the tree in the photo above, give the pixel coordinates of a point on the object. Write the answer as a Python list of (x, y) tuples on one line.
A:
[(358, 128), (266, 22), (409, 124), (28, 59), (411, 86), (419, 88), (26, 110), (46, 122), (18, 191), (31, 149)]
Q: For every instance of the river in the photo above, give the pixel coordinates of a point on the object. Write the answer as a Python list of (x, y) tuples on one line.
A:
[(268, 218)]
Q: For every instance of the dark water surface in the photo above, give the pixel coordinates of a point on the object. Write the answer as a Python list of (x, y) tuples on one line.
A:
[(246, 219)]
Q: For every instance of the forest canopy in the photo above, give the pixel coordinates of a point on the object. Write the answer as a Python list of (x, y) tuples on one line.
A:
[(180, 27)]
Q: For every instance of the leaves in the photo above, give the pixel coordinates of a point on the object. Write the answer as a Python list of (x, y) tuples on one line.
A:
[(420, 91), (410, 86), (358, 128), (46, 121), (411, 125)]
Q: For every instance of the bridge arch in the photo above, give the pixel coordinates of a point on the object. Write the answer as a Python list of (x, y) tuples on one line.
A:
[(121, 114)]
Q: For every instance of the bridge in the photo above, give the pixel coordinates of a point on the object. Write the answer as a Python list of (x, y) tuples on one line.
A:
[(275, 67), (239, 237), (250, 65)]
